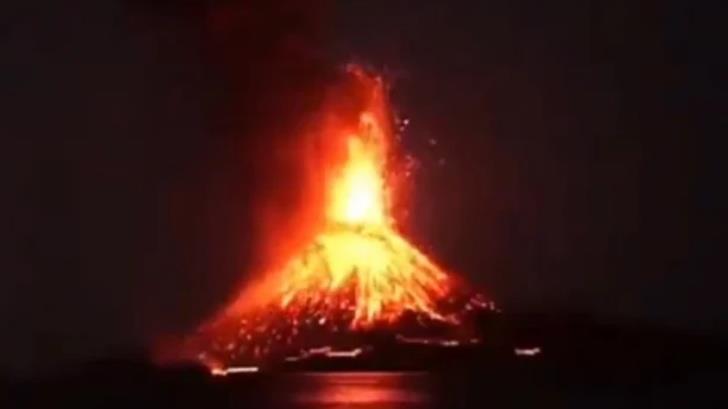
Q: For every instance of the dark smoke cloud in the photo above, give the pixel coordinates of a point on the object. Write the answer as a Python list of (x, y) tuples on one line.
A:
[(141, 136)]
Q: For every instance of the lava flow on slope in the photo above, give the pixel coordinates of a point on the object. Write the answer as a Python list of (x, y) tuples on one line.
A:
[(357, 274)]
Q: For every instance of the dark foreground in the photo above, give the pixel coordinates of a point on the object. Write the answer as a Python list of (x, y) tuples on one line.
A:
[(581, 366)]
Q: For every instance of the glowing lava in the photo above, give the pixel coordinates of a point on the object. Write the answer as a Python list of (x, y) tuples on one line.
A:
[(359, 251), (357, 272), (358, 193)]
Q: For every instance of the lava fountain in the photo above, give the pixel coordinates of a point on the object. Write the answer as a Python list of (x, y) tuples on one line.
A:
[(357, 274)]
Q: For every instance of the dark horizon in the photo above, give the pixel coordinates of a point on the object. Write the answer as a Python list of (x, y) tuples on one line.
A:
[(562, 156)]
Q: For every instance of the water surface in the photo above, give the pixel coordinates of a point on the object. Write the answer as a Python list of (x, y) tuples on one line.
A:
[(385, 390)]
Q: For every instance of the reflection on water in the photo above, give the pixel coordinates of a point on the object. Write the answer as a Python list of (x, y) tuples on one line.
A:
[(381, 390)]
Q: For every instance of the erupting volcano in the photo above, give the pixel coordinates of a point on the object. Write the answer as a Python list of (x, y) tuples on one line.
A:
[(359, 263), (357, 274)]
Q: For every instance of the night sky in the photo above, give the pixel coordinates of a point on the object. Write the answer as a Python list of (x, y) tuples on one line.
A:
[(561, 150)]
